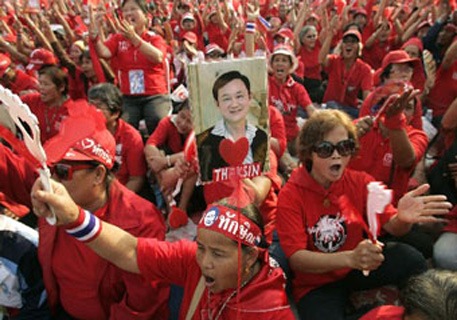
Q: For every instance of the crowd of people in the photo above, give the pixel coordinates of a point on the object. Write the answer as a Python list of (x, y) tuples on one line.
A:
[(358, 91)]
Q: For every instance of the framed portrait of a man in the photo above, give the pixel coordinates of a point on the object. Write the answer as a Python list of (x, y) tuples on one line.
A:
[(230, 115)]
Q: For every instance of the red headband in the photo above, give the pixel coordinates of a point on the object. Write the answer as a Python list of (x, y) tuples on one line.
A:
[(225, 220)]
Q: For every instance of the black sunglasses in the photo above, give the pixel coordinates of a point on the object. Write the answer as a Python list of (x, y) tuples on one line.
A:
[(325, 149), (65, 171)]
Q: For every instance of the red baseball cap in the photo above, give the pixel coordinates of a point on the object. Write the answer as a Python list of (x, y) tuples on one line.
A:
[(83, 137), (40, 57), (353, 33), (190, 36), (5, 62), (187, 16), (414, 41), (361, 11), (285, 33)]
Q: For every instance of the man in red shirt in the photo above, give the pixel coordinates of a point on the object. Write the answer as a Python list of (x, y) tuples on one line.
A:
[(347, 74), (16, 80)]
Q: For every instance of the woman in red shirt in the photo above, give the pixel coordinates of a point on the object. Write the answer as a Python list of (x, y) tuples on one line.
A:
[(226, 273), (324, 238), (51, 104), (141, 59)]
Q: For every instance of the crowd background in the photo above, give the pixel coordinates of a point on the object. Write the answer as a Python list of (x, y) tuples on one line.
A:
[(128, 59)]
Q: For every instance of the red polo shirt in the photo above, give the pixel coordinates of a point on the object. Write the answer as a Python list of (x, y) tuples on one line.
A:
[(375, 158), (129, 152), (287, 98), (344, 84), (137, 74)]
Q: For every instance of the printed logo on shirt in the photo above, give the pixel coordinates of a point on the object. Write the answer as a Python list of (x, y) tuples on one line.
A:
[(387, 160), (136, 80), (329, 233), (287, 109), (349, 89)]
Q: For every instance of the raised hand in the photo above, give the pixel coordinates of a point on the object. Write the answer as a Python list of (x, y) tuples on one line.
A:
[(414, 207)]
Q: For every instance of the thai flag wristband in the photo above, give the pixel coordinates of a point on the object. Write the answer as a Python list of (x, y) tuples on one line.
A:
[(250, 27), (86, 228)]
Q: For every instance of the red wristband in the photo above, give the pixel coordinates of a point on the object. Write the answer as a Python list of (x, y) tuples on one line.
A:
[(78, 221)]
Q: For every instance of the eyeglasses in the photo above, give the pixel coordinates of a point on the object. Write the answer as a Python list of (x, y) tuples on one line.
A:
[(325, 149), (65, 171)]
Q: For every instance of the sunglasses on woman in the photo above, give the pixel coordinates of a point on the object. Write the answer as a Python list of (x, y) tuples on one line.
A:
[(325, 149), (65, 171)]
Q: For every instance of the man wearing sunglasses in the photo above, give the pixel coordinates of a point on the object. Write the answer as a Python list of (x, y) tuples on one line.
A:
[(80, 284)]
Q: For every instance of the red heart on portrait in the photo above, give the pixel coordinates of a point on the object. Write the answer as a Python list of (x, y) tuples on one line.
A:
[(234, 153)]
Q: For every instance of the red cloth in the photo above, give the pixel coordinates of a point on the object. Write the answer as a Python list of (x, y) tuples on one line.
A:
[(129, 152), (118, 294), (385, 313), (303, 218), (130, 59), (375, 158), (452, 225), (218, 190), (166, 134), (310, 61), (444, 91), (368, 109), (14, 168), (262, 298), (287, 98), (23, 82), (49, 118), (344, 85), (278, 129), (76, 86), (216, 36), (374, 55)]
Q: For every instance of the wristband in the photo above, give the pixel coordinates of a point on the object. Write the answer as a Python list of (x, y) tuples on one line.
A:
[(250, 27), (86, 228), (396, 122)]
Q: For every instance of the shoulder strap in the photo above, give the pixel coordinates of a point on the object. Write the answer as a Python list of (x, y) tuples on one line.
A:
[(196, 298)]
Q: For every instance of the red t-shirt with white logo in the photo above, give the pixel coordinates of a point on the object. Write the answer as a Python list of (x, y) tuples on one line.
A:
[(137, 74), (375, 158), (344, 84), (129, 152), (287, 98), (309, 218)]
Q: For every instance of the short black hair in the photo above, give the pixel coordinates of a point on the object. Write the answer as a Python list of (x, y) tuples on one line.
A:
[(57, 75), (228, 77)]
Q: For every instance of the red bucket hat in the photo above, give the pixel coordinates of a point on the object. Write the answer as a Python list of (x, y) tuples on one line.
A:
[(398, 57)]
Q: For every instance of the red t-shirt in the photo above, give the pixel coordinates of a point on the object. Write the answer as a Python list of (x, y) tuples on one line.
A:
[(23, 82), (310, 61), (287, 98), (444, 91), (49, 118), (261, 298), (129, 152), (343, 84), (137, 74), (278, 129), (375, 158), (216, 36), (166, 134), (309, 218)]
